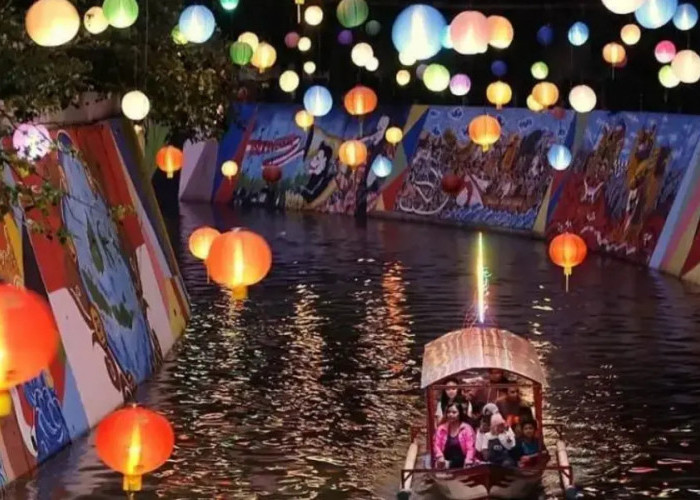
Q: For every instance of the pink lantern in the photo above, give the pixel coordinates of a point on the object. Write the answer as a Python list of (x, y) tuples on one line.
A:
[(665, 51), (32, 142), (291, 39), (470, 32)]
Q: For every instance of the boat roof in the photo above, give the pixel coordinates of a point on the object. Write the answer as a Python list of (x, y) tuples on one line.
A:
[(479, 348)]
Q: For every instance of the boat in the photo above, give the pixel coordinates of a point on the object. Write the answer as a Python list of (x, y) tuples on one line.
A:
[(466, 353)]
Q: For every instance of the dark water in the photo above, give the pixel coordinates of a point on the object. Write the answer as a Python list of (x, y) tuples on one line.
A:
[(308, 390)]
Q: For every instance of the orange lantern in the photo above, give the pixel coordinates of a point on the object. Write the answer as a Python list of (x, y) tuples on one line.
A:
[(353, 153), (500, 32), (169, 159), (134, 441), (28, 339), (200, 241), (360, 100), (546, 93), (238, 259), (484, 130), (567, 250), (614, 53)]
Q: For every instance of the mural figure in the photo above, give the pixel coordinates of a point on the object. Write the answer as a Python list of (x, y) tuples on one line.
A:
[(321, 172)]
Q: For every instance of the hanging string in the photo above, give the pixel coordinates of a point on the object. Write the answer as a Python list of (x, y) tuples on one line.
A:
[(145, 52)]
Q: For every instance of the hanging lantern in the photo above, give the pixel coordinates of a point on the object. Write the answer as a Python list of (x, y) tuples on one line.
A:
[(622, 6), (451, 183), (653, 14), (445, 39), (420, 70), (271, 173), (353, 153), (545, 35), (484, 130), (345, 37), (304, 44), (241, 53), (630, 34), (264, 56), (470, 32), (228, 5), (665, 51), (499, 94), (134, 441), (417, 31), (135, 105), (436, 77), (460, 84), (403, 77), (318, 100), (309, 67), (559, 157), (51, 23), (361, 54), (381, 166), (229, 169), (500, 32), (169, 159), (304, 119), (32, 142), (352, 13), (120, 13), (499, 68), (533, 105), (407, 59), (360, 100), (393, 135), (546, 93), (178, 38), (197, 23), (614, 53), (539, 70), (291, 39), (251, 39), (28, 339), (372, 28), (667, 77), (686, 17), (567, 250), (686, 66), (95, 21), (313, 15), (289, 81), (582, 98), (578, 34), (372, 64), (201, 239)]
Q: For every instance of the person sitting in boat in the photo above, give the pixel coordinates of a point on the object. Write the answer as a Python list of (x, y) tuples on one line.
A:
[(451, 394), (529, 446), (512, 406), (494, 393), (500, 441), (454, 439), (475, 411), (481, 444)]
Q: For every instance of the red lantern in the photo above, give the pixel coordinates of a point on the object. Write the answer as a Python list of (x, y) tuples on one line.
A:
[(169, 159), (271, 173), (451, 183), (28, 339), (134, 441), (360, 100), (567, 250)]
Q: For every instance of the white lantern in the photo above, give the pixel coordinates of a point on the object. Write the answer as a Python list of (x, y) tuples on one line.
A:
[(135, 105), (403, 77), (309, 67), (686, 66), (304, 44), (289, 81), (249, 38), (95, 21), (313, 15), (582, 98), (407, 59), (623, 6), (372, 64), (32, 142), (361, 54)]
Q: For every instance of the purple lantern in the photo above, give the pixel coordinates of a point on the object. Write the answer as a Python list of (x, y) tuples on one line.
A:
[(345, 37), (32, 142), (460, 84), (291, 39)]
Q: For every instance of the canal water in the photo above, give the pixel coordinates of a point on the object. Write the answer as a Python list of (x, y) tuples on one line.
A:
[(309, 388)]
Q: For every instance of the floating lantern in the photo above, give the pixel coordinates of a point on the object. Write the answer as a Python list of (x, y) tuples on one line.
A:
[(460, 84), (228, 4), (251, 39), (178, 37), (361, 54), (51, 23), (436, 77), (559, 157), (201, 239), (134, 441), (381, 166), (304, 119), (318, 100), (403, 77), (169, 159), (622, 6), (304, 44), (630, 34), (451, 183), (135, 105), (686, 66), (313, 15), (360, 100), (665, 51), (500, 32), (470, 32), (445, 40), (345, 37), (686, 17), (352, 13), (420, 70), (373, 28), (567, 250), (546, 93), (353, 153), (271, 173), (533, 105), (120, 13), (499, 94), (372, 64), (407, 59), (229, 169), (32, 142), (484, 130), (28, 339), (545, 35), (238, 259), (241, 53), (289, 81), (264, 56), (393, 135), (499, 68), (614, 53), (653, 14), (667, 77), (539, 70), (197, 23), (291, 39), (582, 98), (309, 67), (417, 31), (95, 21), (578, 34)]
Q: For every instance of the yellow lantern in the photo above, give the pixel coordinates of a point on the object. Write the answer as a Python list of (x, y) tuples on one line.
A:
[(484, 130), (289, 81), (533, 105), (500, 32), (264, 56), (353, 153), (249, 38), (313, 15), (304, 44), (304, 119), (614, 53), (686, 66), (393, 135), (403, 77), (630, 34), (546, 93), (51, 23), (668, 78), (499, 94), (309, 67), (95, 21), (229, 169)]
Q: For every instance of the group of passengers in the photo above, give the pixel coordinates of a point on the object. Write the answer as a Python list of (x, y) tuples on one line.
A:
[(485, 424)]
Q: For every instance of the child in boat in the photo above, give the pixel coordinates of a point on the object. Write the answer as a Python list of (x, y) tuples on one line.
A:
[(529, 445), (500, 440), (454, 439), (481, 443), (451, 394)]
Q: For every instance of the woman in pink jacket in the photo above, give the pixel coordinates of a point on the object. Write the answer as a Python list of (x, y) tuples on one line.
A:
[(454, 439)]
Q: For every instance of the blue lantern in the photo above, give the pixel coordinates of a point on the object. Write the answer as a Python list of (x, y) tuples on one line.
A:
[(446, 40), (686, 17), (318, 100), (499, 68), (381, 166), (197, 23), (578, 34), (418, 30), (559, 157), (655, 13), (545, 35)]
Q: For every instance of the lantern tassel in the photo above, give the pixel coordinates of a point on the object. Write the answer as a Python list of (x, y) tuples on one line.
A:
[(239, 293), (5, 403), (132, 483), (170, 174), (567, 273)]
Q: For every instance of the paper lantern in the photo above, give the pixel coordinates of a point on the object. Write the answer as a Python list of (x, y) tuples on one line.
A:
[(304, 44), (470, 32), (345, 37), (578, 34), (460, 84), (361, 54), (484, 130), (500, 32), (372, 28), (533, 105), (614, 53), (289, 81), (445, 39), (318, 100), (291, 39), (353, 153), (120, 13), (582, 98), (313, 15), (229, 4), (264, 56), (417, 31), (653, 14), (381, 166), (539, 70), (28, 339), (665, 51), (352, 13), (499, 94), (360, 100), (304, 119), (545, 35), (407, 59), (559, 157), (499, 68), (51, 23), (309, 67), (420, 70), (271, 173), (451, 183), (567, 250), (546, 93), (436, 77), (229, 169), (622, 6), (201, 239), (241, 53), (95, 21), (372, 64), (197, 23), (178, 38), (169, 159), (667, 77), (393, 135), (403, 77), (135, 105), (686, 17), (251, 39), (32, 142), (686, 66), (134, 441), (630, 34)]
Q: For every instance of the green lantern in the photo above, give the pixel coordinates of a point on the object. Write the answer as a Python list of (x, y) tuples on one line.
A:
[(436, 77), (539, 70), (229, 4), (373, 27), (352, 13), (177, 36), (240, 53), (120, 13)]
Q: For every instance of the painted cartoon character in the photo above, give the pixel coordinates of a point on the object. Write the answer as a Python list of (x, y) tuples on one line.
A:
[(320, 173)]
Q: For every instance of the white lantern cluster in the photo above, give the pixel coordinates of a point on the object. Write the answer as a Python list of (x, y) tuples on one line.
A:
[(362, 55)]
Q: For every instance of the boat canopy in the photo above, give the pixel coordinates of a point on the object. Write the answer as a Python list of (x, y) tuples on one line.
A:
[(479, 348)]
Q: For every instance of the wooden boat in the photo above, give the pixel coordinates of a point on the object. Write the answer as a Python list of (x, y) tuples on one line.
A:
[(467, 352)]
